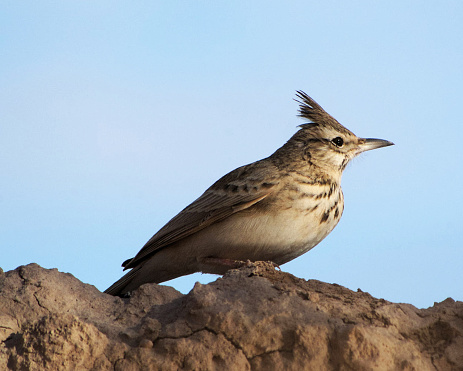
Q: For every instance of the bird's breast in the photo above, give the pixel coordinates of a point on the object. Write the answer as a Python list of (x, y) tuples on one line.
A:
[(279, 228)]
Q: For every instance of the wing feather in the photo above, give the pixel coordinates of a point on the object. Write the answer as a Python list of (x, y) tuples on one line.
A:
[(234, 192)]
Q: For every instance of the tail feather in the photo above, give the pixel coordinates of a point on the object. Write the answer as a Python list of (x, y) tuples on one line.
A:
[(120, 287)]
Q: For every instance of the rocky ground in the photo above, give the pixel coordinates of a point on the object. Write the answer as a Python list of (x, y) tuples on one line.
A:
[(254, 318)]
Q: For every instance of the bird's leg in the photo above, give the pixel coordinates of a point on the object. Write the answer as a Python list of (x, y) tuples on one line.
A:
[(226, 263), (221, 265), (275, 265)]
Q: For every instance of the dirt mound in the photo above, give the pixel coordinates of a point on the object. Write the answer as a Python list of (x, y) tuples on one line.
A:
[(254, 318)]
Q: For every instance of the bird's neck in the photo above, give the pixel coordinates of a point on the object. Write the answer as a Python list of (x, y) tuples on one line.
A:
[(313, 165), (310, 171)]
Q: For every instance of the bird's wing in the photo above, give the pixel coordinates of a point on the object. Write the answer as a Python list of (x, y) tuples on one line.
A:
[(236, 191)]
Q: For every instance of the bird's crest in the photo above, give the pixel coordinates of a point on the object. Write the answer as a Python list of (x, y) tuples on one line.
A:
[(311, 110)]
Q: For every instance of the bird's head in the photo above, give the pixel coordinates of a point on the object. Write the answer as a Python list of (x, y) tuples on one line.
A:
[(324, 142)]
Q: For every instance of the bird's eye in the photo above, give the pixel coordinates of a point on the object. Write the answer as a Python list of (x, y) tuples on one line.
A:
[(338, 141)]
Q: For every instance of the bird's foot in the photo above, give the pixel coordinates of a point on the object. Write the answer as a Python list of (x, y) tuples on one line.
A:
[(275, 265), (228, 263), (233, 264)]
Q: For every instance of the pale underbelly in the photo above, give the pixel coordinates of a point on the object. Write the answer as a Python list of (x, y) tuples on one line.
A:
[(278, 238)]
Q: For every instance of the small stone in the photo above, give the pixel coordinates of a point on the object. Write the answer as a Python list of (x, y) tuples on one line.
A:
[(145, 343)]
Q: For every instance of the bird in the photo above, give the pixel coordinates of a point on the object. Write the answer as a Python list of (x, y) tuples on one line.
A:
[(274, 209)]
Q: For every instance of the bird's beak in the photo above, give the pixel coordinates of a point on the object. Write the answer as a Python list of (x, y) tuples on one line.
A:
[(371, 143)]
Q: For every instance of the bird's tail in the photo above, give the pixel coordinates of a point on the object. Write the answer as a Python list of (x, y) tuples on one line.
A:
[(122, 286)]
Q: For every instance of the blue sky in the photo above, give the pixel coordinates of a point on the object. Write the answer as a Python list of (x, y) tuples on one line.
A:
[(116, 115)]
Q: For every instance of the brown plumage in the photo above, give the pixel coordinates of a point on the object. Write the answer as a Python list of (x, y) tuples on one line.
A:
[(273, 209)]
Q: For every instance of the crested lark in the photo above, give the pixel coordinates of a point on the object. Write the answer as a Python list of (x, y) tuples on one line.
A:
[(274, 209)]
